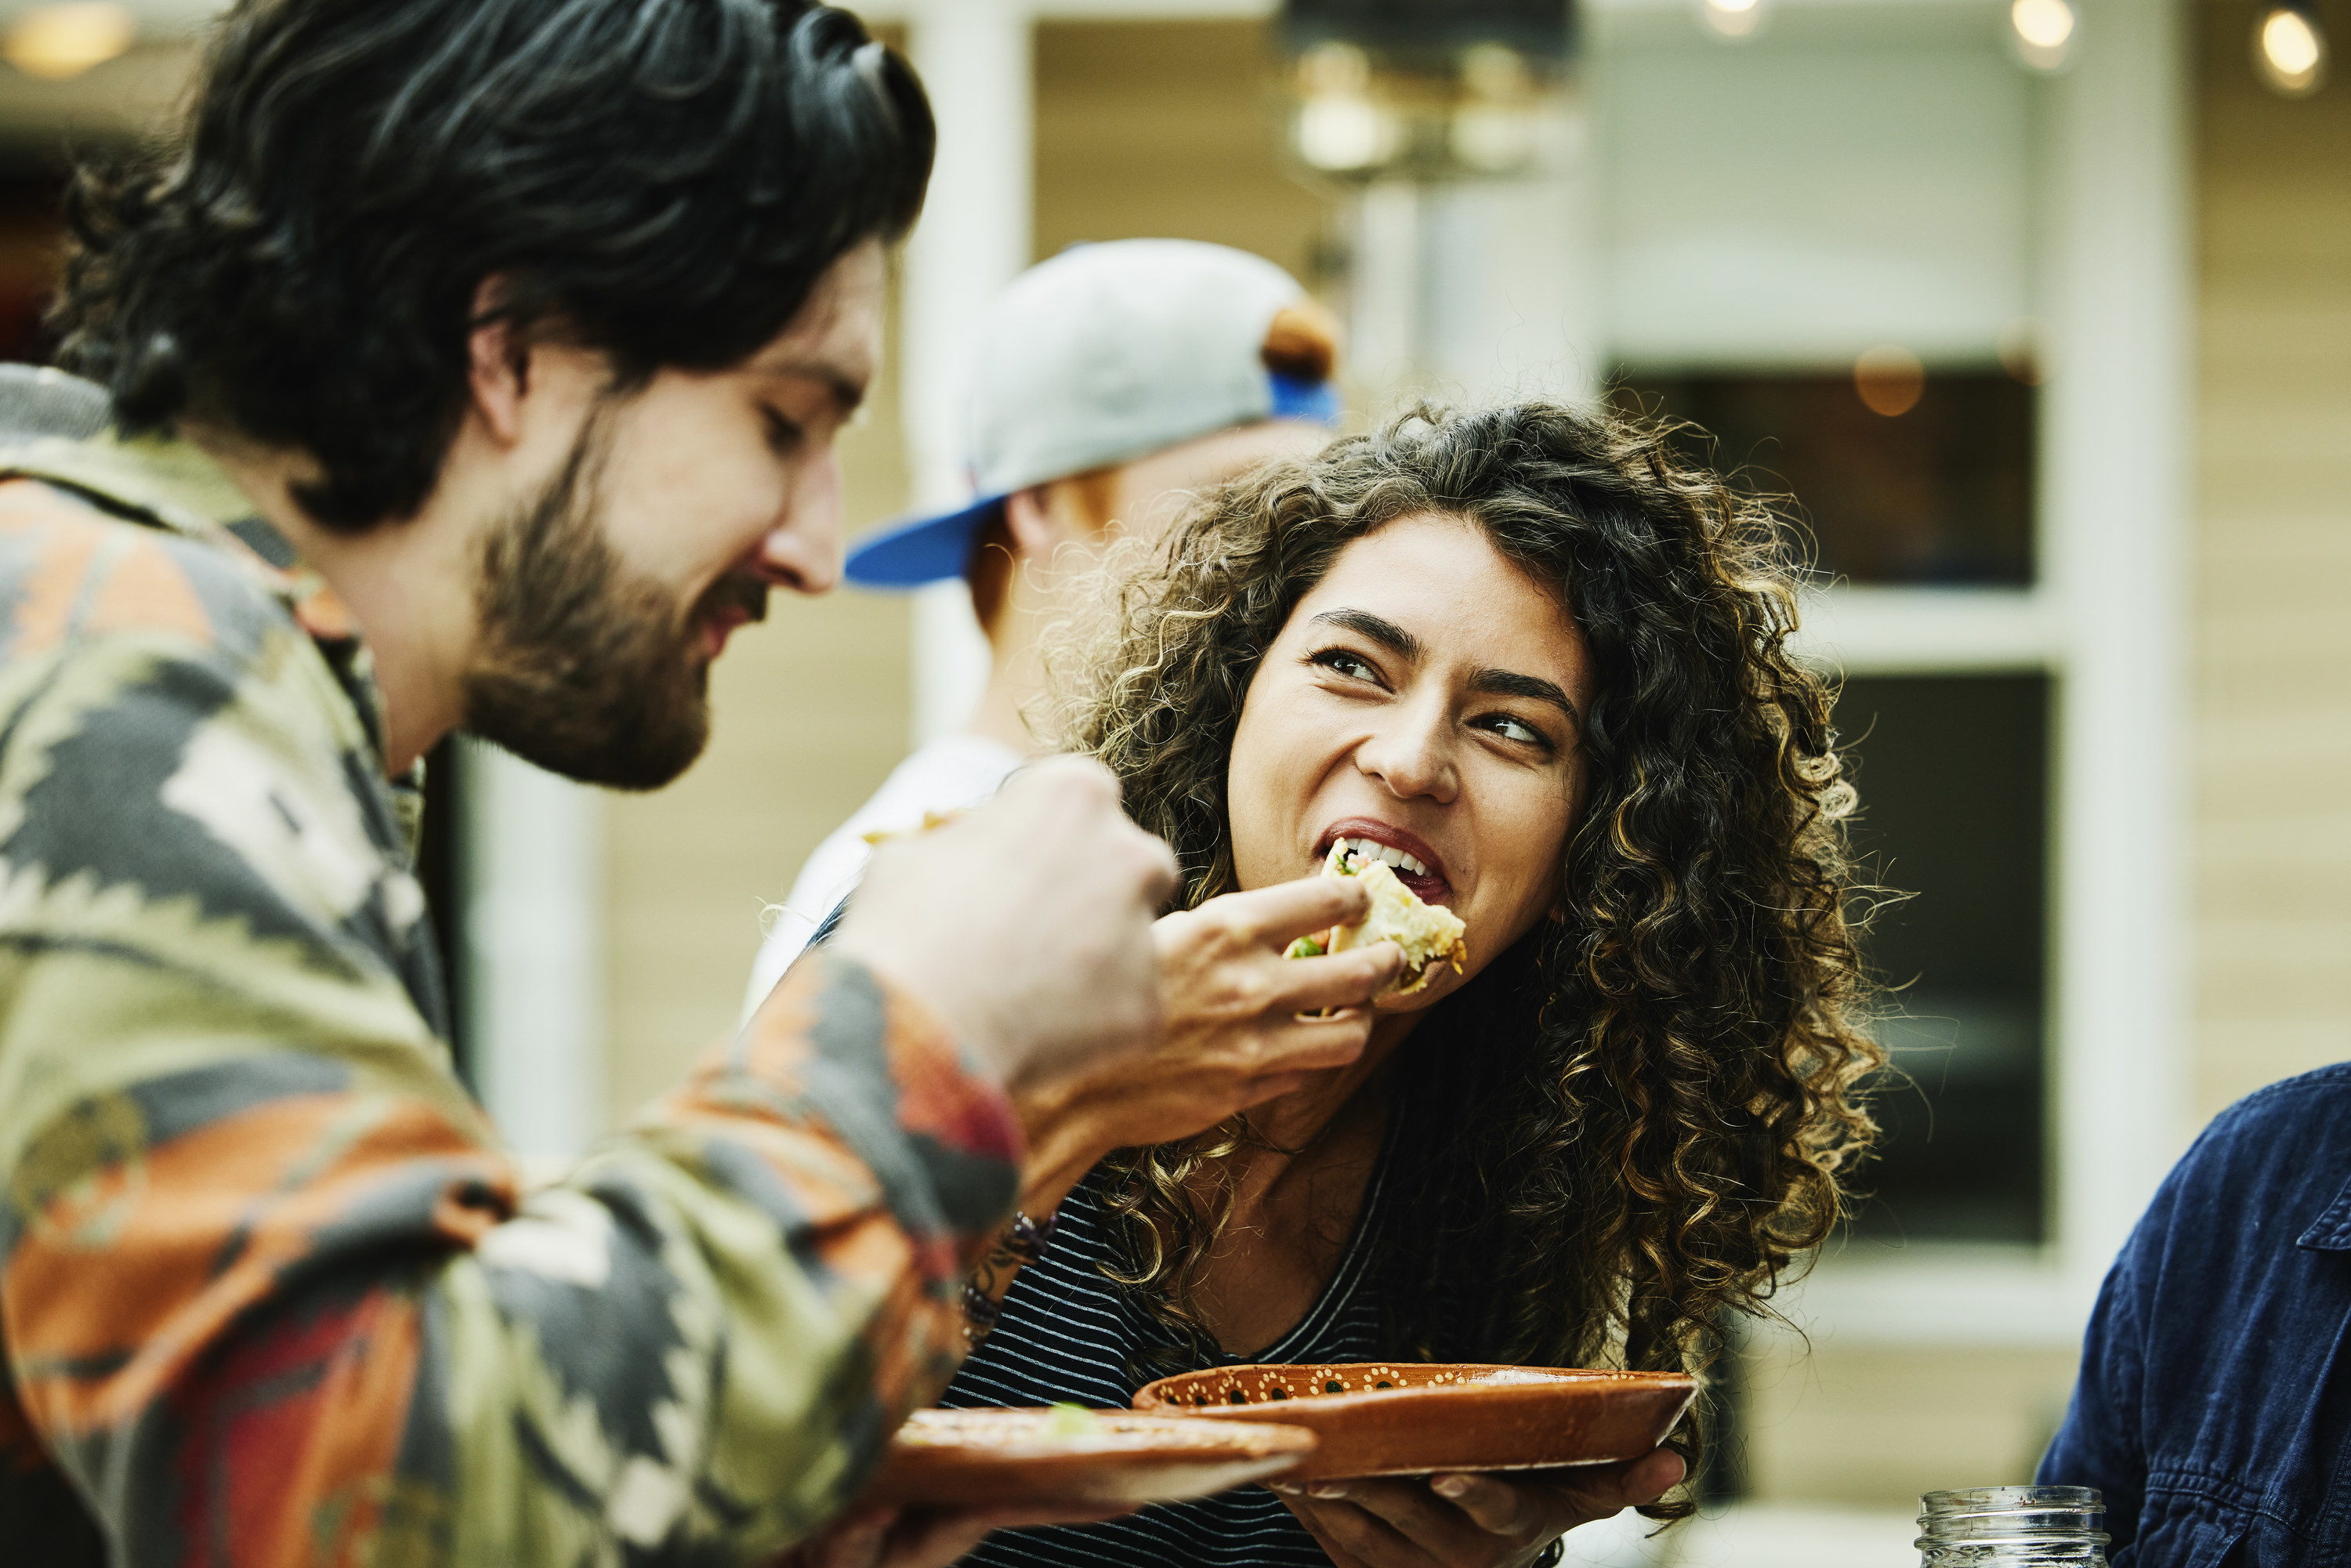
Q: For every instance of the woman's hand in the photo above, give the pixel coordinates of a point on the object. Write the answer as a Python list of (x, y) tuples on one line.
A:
[(1470, 1521), (1240, 1029)]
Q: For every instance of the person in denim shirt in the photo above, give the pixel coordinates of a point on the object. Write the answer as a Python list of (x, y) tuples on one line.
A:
[(2211, 1408)]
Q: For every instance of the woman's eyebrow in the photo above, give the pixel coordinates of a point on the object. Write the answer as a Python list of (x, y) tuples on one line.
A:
[(1510, 683), (1380, 629)]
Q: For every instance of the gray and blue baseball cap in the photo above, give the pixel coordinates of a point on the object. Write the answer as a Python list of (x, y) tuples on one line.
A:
[(1104, 354)]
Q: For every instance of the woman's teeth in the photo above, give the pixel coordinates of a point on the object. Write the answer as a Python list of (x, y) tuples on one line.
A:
[(1364, 849)]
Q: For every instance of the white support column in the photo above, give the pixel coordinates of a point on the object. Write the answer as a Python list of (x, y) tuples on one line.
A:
[(534, 949), (1512, 292), (1484, 290), (1384, 288), (2115, 508), (974, 57)]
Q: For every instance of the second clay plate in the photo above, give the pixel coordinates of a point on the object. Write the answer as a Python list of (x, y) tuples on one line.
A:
[(1378, 1419), (1007, 1459)]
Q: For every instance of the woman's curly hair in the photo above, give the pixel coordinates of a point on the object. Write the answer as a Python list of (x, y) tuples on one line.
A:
[(1632, 1123)]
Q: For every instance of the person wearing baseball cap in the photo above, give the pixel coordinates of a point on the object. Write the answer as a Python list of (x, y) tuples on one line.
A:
[(1110, 383)]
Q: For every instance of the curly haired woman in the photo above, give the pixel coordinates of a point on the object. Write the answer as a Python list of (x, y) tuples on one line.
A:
[(1539, 665)]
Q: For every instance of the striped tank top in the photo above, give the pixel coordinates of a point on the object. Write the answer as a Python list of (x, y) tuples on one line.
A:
[(1068, 1334)]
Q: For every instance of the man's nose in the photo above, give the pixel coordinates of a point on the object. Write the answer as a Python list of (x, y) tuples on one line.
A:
[(803, 550)]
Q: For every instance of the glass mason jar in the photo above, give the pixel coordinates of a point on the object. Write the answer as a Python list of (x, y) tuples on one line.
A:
[(2013, 1527)]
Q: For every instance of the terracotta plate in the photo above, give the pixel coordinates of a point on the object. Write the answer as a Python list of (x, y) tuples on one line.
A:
[(1003, 1457), (1380, 1419)]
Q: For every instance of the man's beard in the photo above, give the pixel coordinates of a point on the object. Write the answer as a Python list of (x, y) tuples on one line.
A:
[(583, 666)]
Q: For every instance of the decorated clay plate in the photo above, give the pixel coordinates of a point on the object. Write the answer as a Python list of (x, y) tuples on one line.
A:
[(1408, 1418), (1065, 1455)]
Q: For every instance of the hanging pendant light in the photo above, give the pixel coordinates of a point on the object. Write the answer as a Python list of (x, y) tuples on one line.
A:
[(1426, 89)]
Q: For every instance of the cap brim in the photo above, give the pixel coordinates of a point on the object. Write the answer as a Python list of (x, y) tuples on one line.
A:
[(925, 550)]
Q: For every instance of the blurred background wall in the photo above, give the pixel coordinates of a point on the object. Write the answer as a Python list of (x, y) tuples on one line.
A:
[(2042, 312)]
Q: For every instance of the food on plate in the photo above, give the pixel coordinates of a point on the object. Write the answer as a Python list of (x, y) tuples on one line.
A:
[(1416, 1417), (1429, 934), (1068, 1420)]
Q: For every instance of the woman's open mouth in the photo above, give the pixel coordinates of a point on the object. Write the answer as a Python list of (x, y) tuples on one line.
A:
[(1415, 863)]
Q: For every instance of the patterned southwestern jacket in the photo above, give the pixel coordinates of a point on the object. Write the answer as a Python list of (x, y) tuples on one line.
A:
[(272, 1293)]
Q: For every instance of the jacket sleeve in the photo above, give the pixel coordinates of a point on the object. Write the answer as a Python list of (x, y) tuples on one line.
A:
[(272, 1293), (2101, 1444)]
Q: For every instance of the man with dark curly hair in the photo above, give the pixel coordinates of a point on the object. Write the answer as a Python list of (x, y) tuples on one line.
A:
[(472, 364)]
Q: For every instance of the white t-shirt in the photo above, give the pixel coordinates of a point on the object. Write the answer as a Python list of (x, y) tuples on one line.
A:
[(947, 774)]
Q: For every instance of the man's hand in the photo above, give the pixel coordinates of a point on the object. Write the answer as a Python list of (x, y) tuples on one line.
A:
[(1470, 1521), (1026, 924), (920, 1537), (1241, 1026)]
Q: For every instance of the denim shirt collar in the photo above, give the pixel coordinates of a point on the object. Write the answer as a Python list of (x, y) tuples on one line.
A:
[(2331, 1231)]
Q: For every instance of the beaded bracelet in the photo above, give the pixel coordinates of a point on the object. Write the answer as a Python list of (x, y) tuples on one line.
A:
[(1028, 1239), (979, 1313), (1023, 1241)]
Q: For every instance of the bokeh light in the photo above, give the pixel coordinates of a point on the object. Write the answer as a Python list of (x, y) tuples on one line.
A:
[(2290, 51), (1734, 18), (1890, 379), (55, 42), (2044, 31)]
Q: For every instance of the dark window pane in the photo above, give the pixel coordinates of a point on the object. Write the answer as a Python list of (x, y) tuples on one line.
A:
[(32, 248), (1941, 493), (1953, 772)]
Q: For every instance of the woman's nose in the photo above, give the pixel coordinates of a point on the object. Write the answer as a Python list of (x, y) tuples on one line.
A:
[(1412, 755)]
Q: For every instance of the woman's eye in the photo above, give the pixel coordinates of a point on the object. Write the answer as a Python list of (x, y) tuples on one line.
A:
[(1346, 663), (1517, 729)]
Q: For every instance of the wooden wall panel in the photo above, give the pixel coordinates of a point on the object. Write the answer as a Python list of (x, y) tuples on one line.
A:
[(1168, 129), (2271, 572)]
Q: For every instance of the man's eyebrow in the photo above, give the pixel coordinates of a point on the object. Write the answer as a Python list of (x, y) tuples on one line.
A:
[(1379, 629), (1510, 683)]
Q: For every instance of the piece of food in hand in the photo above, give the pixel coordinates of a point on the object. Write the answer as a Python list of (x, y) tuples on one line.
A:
[(1429, 934)]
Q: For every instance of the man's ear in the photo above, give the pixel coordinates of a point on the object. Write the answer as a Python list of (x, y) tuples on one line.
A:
[(499, 372), (1028, 518)]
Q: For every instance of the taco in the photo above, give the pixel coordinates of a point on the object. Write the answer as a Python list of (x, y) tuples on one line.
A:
[(1429, 934)]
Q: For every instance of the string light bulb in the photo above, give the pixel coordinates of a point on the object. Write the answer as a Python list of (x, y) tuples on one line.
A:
[(1339, 127), (2043, 32), (54, 42), (2290, 48), (1733, 18)]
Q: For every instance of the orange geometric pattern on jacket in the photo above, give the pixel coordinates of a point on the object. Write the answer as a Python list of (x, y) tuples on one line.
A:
[(218, 1217), (301, 1476)]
